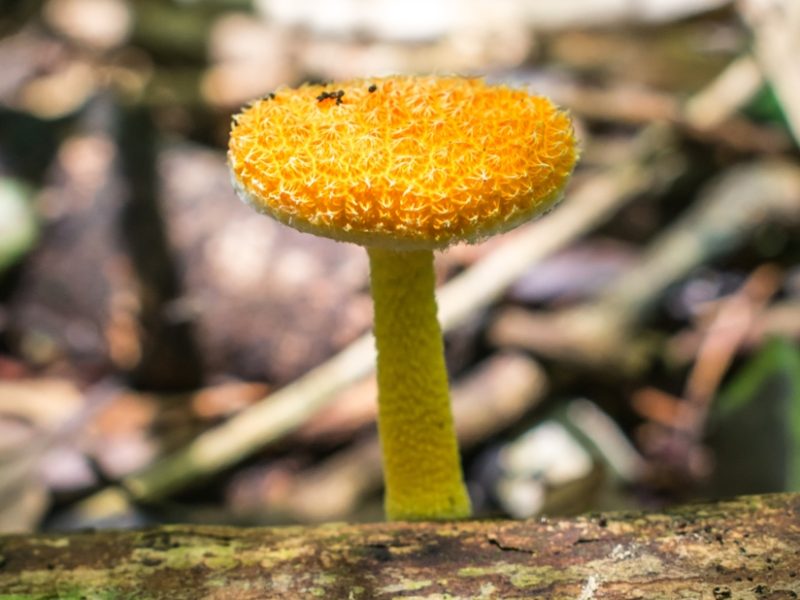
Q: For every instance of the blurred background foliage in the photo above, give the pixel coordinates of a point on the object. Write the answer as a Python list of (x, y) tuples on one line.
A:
[(641, 350)]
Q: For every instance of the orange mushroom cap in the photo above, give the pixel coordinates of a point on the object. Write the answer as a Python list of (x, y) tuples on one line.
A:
[(402, 162)]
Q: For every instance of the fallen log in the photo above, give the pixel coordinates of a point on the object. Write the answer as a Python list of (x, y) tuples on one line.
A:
[(748, 548)]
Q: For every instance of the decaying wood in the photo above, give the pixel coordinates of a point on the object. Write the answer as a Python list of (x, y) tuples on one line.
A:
[(746, 549)]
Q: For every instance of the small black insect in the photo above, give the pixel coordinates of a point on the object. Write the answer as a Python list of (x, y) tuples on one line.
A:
[(372, 88), (337, 95), (270, 96)]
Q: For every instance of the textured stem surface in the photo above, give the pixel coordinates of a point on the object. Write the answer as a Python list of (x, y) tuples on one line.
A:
[(421, 464)]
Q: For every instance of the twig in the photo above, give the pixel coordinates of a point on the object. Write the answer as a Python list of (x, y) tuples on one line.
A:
[(625, 103), (683, 420), (600, 333), (725, 334), (728, 92), (619, 102), (776, 26), (782, 318)]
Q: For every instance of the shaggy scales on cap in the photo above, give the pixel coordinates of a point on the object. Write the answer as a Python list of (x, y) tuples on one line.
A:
[(402, 162)]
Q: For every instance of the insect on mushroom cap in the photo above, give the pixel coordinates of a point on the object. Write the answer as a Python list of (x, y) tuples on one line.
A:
[(402, 162)]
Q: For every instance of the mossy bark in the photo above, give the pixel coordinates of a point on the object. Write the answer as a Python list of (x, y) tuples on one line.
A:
[(746, 548)]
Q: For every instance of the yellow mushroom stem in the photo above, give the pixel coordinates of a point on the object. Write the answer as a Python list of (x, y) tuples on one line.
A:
[(422, 469)]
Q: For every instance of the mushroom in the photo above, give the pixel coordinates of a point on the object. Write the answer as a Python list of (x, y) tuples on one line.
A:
[(405, 165)]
